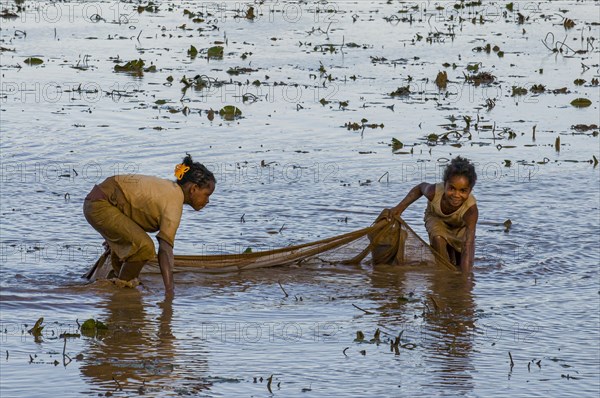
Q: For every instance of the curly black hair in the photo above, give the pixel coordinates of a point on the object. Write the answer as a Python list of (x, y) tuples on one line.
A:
[(460, 166), (198, 173)]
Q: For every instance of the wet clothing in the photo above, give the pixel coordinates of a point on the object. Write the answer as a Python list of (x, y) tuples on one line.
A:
[(449, 226), (123, 209)]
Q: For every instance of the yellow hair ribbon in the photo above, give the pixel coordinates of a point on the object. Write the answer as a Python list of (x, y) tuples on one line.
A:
[(180, 170)]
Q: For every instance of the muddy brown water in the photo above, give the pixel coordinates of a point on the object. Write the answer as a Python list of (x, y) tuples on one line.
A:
[(296, 174)]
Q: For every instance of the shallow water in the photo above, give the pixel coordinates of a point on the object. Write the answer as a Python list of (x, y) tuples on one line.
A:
[(73, 121)]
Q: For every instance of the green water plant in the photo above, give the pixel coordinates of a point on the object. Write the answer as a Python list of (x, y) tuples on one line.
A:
[(93, 328), (581, 103), (215, 52), (401, 92), (135, 67), (230, 112), (32, 61)]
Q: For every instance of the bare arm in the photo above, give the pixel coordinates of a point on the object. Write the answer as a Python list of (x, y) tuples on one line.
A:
[(468, 250), (422, 189), (166, 262)]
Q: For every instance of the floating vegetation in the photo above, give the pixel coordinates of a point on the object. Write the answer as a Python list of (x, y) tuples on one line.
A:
[(488, 49), (401, 92), (198, 83), (238, 70), (584, 127), (150, 7), (32, 61), (135, 67), (93, 328), (8, 14), (507, 224), (36, 330), (360, 337), (517, 91), (396, 144), (215, 52), (490, 104), (250, 13), (230, 112), (442, 80), (480, 78), (192, 52), (410, 299), (538, 88), (568, 23), (581, 103), (362, 125)]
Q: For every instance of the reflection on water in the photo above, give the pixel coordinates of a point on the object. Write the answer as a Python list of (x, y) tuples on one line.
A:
[(435, 309), (451, 322), (138, 353)]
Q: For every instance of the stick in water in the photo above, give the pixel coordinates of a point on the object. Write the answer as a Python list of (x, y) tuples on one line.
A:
[(284, 292)]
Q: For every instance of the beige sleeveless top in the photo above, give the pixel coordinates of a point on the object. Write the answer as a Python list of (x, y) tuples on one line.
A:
[(453, 220)]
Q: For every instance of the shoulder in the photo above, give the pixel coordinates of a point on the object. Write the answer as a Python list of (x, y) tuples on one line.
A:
[(471, 215), (140, 184), (144, 180), (428, 190)]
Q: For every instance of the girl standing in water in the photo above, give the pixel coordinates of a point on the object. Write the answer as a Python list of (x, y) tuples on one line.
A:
[(451, 214), (124, 208)]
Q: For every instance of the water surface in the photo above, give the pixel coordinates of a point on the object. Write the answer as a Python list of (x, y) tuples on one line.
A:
[(296, 174)]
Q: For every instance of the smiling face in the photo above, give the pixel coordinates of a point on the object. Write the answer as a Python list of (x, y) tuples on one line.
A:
[(198, 197), (456, 191)]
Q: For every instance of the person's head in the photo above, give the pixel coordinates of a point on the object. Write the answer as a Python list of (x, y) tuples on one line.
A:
[(459, 180), (196, 181)]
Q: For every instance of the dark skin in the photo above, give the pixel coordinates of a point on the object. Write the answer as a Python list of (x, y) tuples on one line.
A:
[(456, 192), (198, 198)]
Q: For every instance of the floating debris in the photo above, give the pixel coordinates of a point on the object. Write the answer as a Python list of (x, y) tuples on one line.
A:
[(480, 78), (135, 67), (93, 328), (401, 92), (581, 103), (360, 337), (36, 330), (396, 145), (230, 112), (215, 52), (518, 91), (442, 80), (192, 52), (32, 61)]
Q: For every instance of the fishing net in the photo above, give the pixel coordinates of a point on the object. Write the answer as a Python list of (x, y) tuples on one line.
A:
[(389, 240)]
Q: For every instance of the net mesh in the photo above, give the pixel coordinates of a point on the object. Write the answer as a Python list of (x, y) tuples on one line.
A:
[(389, 240)]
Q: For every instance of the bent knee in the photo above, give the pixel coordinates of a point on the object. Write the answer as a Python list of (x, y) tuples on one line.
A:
[(145, 250), (438, 241)]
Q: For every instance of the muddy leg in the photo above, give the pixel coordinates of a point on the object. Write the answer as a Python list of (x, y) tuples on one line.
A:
[(131, 270), (116, 263), (440, 245), (454, 255)]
